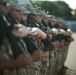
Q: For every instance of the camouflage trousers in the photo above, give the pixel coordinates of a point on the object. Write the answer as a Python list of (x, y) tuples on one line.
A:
[(56, 60), (38, 68), (51, 64), (45, 64)]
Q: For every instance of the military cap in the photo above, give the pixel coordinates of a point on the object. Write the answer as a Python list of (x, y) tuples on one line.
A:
[(38, 10), (44, 14), (61, 20), (49, 17), (54, 18), (16, 1), (19, 7), (36, 13), (32, 10), (26, 11), (6, 2)]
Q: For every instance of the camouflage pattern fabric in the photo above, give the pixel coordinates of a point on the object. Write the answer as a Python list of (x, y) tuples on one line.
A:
[(6, 54), (45, 63), (52, 60), (57, 59)]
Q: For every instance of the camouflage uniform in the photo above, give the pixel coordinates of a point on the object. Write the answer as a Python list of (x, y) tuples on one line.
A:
[(52, 62), (56, 60), (6, 54), (34, 68), (45, 63)]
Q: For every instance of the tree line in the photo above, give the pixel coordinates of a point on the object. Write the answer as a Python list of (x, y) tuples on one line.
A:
[(57, 8)]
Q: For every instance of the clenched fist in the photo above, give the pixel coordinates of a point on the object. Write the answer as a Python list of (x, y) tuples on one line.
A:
[(20, 31), (54, 31), (69, 31), (37, 33), (37, 55)]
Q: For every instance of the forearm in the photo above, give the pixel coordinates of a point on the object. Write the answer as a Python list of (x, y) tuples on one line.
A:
[(8, 64), (21, 61)]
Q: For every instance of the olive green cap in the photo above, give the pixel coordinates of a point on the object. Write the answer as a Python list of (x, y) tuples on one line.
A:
[(17, 6), (8, 2), (32, 10)]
